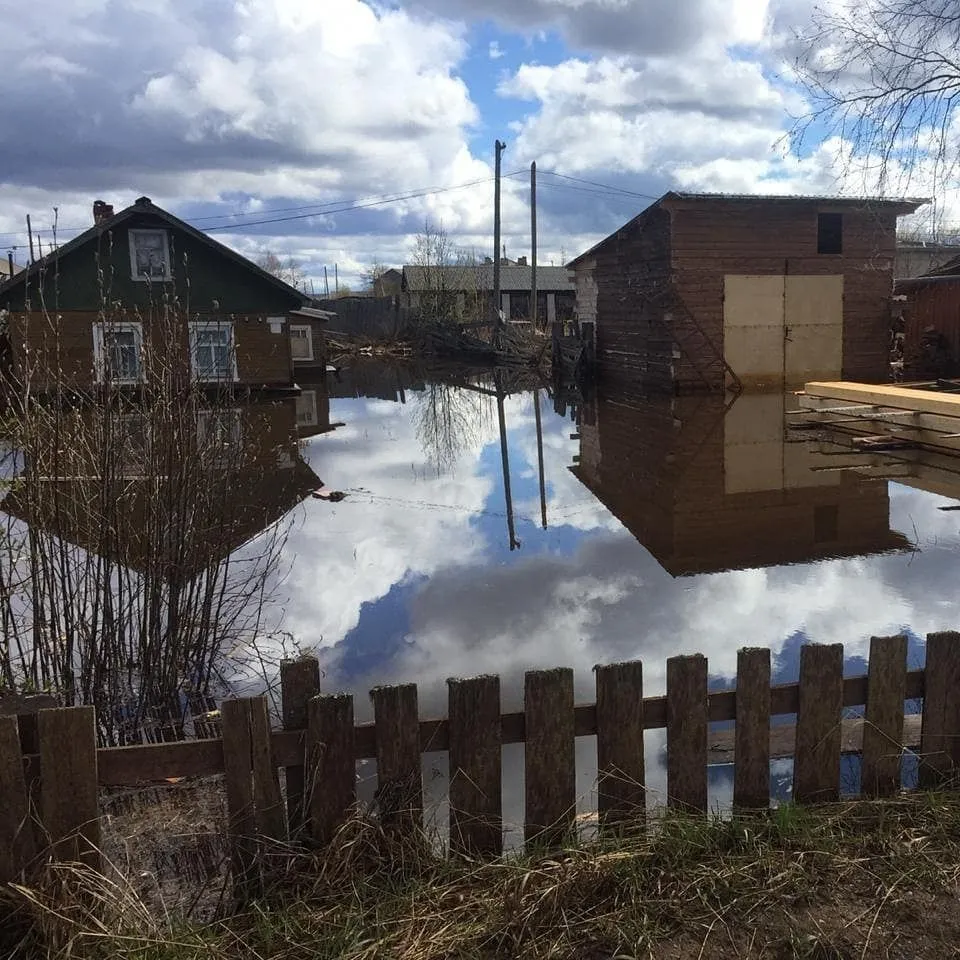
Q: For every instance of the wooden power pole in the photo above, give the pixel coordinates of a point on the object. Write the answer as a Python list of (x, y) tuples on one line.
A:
[(533, 245), (30, 238), (498, 148)]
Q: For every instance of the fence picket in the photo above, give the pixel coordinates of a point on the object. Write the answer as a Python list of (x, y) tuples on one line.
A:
[(238, 783), (267, 799), (751, 770), (68, 770), (816, 765), (550, 773), (331, 771), (687, 732), (476, 822), (399, 781), (883, 727), (940, 734), (299, 683), (16, 828), (621, 778)]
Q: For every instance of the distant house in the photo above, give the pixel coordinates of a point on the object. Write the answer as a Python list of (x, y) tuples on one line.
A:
[(914, 258), (84, 315), (466, 291), (8, 269), (929, 312), (389, 283), (713, 290)]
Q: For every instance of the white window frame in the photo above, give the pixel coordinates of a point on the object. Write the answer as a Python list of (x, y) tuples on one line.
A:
[(198, 325), (309, 331), (308, 399), (99, 349), (132, 240)]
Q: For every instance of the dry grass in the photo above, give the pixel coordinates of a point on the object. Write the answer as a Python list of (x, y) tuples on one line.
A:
[(845, 882)]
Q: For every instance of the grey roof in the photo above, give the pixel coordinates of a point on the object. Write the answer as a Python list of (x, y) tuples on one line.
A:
[(140, 207), (480, 277)]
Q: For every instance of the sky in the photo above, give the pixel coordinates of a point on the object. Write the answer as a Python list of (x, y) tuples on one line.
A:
[(332, 132)]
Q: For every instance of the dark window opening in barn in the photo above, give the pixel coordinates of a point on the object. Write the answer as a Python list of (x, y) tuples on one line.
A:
[(826, 523), (829, 233)]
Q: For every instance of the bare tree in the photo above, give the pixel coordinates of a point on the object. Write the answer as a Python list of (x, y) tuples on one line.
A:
[(448, 287), (288, 270), (885, 77), (133, 567)]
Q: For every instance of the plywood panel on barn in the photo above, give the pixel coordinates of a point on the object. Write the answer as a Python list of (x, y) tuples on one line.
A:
[(753, 311), (753, 448), (814, 327)]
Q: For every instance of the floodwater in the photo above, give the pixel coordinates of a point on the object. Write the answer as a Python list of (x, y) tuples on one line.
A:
[(674, 525)]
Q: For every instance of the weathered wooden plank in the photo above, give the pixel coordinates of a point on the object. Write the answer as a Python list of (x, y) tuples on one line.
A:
[(940, 738), (621, 777), (238, 783), (68, 771), (888, 395), (550, 762), (476, 820), (816, 765), (399, 781), (751, 775), (883, 730), (267, 800), (331, 771), (299, 684), (687, 732), (16, 828)]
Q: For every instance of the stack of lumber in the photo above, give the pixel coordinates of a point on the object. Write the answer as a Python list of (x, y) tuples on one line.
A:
[(883, 417)]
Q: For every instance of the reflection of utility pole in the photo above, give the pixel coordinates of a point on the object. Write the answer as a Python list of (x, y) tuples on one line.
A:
[(533, 246), (499, 148), (505, 458), (543, 484)]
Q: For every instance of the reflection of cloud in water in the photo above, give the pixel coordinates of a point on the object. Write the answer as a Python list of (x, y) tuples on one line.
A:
[(409, 579)]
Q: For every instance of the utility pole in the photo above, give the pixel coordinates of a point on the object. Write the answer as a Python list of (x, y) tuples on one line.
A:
[(326, 283), (30, 237), (498, 148), (533, 245), (10, 261), (336, 279)]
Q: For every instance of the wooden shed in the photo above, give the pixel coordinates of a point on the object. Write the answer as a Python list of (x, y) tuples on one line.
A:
[(714, 290), (929, 313)]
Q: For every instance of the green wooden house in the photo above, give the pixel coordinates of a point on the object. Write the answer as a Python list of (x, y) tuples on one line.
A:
[(143, 295)]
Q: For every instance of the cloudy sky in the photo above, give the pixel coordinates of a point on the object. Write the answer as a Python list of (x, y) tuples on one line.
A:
[(331, 131)]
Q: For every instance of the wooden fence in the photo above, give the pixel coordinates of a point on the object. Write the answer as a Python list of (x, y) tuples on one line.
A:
[(59, 775)]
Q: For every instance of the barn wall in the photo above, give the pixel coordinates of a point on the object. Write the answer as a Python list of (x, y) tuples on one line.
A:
[(935, 305)]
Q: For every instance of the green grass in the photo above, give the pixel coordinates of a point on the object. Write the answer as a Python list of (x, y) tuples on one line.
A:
[(853, 880)]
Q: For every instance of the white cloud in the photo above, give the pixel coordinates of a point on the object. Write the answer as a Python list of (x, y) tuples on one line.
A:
[(494, 51)]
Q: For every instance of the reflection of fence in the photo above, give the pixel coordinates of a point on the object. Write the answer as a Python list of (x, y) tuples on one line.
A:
[(320, 744)]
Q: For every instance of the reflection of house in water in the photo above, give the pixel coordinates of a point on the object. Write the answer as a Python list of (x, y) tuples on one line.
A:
[(705, 488), (170, 507)]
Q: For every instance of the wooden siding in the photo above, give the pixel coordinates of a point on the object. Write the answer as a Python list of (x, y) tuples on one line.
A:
[(57, 349), (660, 280), (936, 305)]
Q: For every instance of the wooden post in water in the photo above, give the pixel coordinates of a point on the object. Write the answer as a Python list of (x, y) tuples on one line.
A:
[(476, 824), (299, 684), (751, 771), (816, 763), (621, 777), (550, 757), (331, 778), (69, 792), (399, 781), (883, 726), (687, 732), (940, 734), (16, 827)]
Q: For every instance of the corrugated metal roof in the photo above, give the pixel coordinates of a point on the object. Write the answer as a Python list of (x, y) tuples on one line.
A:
[(480, 277), (799, 198)]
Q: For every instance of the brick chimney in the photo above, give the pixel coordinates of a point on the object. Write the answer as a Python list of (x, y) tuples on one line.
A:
[(102, 211)]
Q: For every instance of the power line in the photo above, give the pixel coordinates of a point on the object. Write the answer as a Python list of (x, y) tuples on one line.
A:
[(605, 186), (316, 210)]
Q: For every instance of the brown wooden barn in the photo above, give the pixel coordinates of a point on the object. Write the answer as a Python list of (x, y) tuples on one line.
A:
[(929, 317), (706, 486), (707, 290)]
